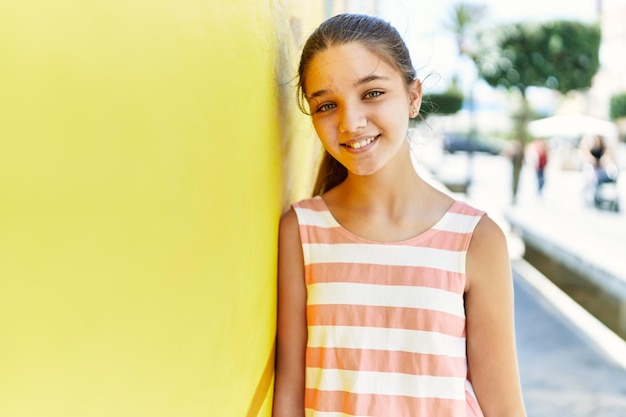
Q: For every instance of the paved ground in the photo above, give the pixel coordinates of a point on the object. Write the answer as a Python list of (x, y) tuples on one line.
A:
[(562, 373)]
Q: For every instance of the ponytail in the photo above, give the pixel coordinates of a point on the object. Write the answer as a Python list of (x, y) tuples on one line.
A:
[(331, 173)]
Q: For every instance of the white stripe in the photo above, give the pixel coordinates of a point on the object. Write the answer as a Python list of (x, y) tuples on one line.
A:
[(380, 338), (386, 295), (470, 389), (308, 217), (382, 383), (384, 255), (458, 223)]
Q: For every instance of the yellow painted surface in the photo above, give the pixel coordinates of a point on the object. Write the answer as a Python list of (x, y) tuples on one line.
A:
[(300, 147), (140, 188)]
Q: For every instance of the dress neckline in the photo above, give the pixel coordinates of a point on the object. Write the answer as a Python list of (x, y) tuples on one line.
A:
[(420, 236)]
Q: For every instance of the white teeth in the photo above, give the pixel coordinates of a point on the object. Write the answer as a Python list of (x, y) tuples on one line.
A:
[(358, 145)]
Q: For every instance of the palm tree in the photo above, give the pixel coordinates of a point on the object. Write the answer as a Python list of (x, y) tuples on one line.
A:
[(462, 21)]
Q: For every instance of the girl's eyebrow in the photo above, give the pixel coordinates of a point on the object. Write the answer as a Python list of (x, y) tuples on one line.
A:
[(370, 78), (360, 81)]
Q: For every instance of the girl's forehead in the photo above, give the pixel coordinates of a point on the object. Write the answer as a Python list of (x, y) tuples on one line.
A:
[(348, 62), (340, 55)]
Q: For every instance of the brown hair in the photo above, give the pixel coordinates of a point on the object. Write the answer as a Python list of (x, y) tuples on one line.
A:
[(374, 34)]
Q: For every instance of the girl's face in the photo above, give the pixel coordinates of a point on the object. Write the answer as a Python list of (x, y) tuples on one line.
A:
[(360, 106)]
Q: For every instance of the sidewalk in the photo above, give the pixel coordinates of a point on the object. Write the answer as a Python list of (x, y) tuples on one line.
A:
[(564, 360)]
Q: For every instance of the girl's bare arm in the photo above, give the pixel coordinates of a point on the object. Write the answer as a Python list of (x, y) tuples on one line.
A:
[(291, 325), (491, 347)]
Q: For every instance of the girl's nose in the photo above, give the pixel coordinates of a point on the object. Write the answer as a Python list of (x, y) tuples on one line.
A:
[(352, 120)]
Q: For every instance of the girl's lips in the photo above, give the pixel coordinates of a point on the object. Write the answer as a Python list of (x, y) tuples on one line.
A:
[(360, 144)]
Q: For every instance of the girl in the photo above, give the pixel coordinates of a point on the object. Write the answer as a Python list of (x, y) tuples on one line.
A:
[(393, 299)]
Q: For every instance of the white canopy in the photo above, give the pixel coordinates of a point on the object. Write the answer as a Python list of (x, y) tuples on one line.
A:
[(574, 125)]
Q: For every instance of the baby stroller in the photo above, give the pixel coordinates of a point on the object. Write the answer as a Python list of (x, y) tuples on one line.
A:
[(600, 173), (603, 188)]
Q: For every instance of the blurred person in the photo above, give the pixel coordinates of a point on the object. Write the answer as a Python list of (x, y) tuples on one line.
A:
[(394, 299), (594, 150), (597, 166), (537, 157)]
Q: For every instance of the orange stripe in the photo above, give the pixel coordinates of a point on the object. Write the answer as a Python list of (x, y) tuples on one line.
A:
[(385, 361), (386, 275), (382, 405), (389, 317)]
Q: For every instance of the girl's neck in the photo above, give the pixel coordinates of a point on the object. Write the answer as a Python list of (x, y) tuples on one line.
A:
[(395, 187), (388, 206)]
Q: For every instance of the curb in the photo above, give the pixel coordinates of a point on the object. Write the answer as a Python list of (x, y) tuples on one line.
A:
[(569, 255), (570, 312)]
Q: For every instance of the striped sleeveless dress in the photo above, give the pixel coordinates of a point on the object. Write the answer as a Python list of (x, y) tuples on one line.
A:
[(386, 321)]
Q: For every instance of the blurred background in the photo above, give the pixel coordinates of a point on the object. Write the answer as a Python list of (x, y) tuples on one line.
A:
[(148, 149)]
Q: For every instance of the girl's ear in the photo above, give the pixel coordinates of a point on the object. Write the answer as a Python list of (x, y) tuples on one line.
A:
[(415, 95)]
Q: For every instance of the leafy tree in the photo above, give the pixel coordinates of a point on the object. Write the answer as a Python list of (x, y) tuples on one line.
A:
[(561, 55), (445, 103), (618, 106)]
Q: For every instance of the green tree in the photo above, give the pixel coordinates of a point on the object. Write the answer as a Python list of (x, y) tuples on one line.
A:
[(618, 106), (561, 55), (445, 103)]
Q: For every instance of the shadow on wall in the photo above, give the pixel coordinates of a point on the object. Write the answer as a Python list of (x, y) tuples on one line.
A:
[(299, 145)]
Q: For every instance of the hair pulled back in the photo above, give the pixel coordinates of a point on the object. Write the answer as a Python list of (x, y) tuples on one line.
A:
[(373, 33)]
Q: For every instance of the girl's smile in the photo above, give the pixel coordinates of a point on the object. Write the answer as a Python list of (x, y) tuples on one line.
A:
[(360, 145)]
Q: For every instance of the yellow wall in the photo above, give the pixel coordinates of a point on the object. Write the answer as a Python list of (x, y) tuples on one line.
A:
[(299, 146), (140, 188)]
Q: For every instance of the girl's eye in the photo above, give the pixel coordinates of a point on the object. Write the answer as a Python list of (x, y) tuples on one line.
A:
[(325, 107), (373, 94)]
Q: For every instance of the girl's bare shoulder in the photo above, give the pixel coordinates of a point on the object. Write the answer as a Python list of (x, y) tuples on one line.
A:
[(288, 226)]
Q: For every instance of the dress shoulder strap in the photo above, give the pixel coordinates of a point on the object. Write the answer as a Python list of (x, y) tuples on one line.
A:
[(314, 212)]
